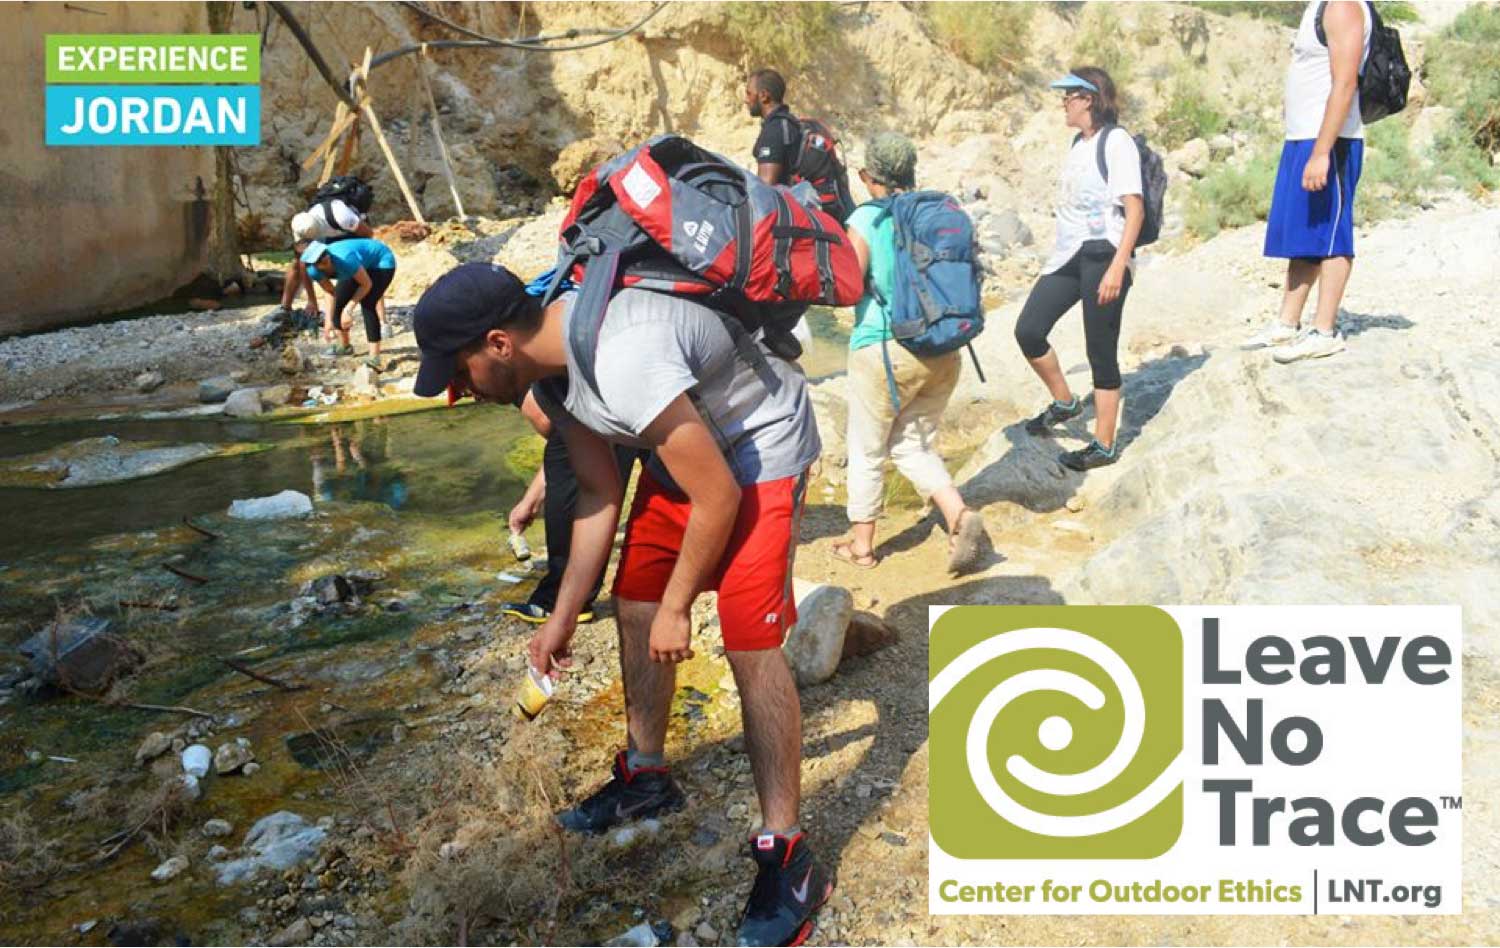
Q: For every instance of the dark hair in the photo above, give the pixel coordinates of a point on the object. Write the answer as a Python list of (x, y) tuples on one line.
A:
[(770, 82), (524, 314), (1104, 106)]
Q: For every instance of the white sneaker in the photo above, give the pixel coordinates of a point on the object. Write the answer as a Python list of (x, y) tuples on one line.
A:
[(1312, 345), (1277, 333)]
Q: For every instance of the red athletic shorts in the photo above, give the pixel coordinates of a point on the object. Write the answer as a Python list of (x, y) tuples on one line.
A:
[(754, 579)]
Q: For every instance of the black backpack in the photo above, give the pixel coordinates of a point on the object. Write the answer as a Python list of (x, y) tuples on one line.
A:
[(349, 189), (1153, 182), (818, 163), (1386, 78)]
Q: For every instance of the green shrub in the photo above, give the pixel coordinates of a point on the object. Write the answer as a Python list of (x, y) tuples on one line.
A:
[(782, 36), (1187, 113), (1099, 42), (1392, 175), (1232, 197), (985, 35), (1290, 14), (1455, 154), (1462, 71)]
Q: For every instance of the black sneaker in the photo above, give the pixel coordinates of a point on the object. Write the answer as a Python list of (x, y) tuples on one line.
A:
[(629, 795), (1054, 414), (1095, 455), (789, 888)]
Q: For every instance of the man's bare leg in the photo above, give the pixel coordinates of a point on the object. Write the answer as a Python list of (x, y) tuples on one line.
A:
[(1300, 276), (1333, 277), (648, 685), (772, 714)]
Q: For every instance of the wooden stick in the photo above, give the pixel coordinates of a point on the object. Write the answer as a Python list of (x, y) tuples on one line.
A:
[(159, 606), (390, 157), (199, 580), (186, 522), (173, 708), (341, 118), (437, 132), (264, 679)]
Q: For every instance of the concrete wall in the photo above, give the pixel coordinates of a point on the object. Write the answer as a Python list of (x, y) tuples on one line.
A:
[(87, 231)]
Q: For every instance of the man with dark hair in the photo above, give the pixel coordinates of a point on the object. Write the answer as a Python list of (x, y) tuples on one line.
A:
[(780, 132), (718, 506)]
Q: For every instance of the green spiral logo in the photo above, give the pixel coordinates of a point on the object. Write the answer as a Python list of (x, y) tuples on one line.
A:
[(1056, 732)]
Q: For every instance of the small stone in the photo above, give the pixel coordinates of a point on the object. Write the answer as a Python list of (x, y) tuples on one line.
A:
[(893, 839), (250, 769), (155, 744), (299, 932), (214, 829), (170, 869), (218, 853), (148, 381), (190, 787), (243, 403), (398, 733), (1075, 503), (706, 932), (83, 928), (231, 757)]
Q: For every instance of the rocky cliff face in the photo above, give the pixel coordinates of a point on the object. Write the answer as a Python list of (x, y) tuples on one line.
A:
[(509, 116)]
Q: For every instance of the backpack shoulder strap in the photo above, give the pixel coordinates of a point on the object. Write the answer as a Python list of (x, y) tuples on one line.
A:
[(327, 207), (1099, 151), (1318, 30)]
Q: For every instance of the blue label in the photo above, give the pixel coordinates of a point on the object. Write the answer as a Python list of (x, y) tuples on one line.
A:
[(153, 115)]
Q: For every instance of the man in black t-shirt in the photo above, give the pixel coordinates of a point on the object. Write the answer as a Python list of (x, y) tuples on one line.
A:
[(780, 133)]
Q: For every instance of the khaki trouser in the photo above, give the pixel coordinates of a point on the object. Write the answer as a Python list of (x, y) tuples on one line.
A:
[(908, 437)]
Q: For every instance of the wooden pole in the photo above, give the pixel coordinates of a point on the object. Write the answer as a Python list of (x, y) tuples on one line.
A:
[(437, 132), (385, 146), (341, 119)]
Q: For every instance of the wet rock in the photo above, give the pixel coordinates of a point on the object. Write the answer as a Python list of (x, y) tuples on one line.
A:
[(196, 760), (706, 932), (299, 932), (288, 503), (155, 744), (867, 634), (214, 829), (217, 389), (243, 403), (148, 381), (216, 852), (291, 361), (365, 381), (277, 842), (250, 769), (191, 788), (275, 395), (641, 936), (170, 869), (232, 756), (816, 643), (80, 654)]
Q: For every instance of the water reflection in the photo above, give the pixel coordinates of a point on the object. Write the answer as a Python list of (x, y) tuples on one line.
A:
[(356, 465)]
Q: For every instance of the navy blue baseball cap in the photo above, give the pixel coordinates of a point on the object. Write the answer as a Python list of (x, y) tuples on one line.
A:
[(464, 304)]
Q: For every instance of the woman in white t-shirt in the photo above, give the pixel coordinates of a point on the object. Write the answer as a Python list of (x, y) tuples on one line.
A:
[(1099, 217)]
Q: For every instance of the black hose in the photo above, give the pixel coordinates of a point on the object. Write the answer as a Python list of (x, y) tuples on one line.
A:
[(531, 44), (312, 53)]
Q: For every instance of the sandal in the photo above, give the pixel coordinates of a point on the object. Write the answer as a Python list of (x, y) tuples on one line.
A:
[(844, 550), (966, 543)]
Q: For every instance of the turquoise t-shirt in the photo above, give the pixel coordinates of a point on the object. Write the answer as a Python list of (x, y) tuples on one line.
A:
[(872, 324), (349, 255)]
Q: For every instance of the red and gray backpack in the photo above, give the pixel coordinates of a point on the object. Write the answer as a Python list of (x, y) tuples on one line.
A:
[(818, 163), (675, 218)]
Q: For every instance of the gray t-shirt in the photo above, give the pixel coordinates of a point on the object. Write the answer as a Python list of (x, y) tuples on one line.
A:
[(653, 348)]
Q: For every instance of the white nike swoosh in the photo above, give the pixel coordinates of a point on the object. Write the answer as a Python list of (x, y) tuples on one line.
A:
[(800, 893)]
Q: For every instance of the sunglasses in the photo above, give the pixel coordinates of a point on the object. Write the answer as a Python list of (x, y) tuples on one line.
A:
[(1070, 96)]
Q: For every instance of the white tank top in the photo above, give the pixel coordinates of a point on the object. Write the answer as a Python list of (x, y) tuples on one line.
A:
[(1309, 79)]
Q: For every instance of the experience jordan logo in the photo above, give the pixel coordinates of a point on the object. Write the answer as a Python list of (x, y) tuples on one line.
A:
[(1056, 732)]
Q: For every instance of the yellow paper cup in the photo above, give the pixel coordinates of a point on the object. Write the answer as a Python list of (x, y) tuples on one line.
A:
[(536, 691)]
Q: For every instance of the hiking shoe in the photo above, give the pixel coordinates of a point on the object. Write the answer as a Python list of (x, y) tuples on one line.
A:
[(536, 615), (1277, 333), (629, 795), (789, 888), (1095, 455), (374, 363), (1054, 414), (338, 350), (1313, 345)]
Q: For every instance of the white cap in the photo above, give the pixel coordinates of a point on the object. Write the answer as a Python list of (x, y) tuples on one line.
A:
[(304, 225)]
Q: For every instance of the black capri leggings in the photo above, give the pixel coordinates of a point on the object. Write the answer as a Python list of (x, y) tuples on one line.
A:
[(1056, 293), (380, 281)]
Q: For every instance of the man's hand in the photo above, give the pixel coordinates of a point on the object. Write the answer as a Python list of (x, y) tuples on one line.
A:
[(1315, 174), (1110, 284), (671, 636), (550, 649), (523, 513)]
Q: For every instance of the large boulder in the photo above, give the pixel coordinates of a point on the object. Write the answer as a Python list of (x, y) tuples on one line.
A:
[(1193, 158), (816, 643), (581, 157), (80, 654)]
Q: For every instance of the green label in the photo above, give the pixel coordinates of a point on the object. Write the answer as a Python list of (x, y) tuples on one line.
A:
[(1055, 731), (153, 58)]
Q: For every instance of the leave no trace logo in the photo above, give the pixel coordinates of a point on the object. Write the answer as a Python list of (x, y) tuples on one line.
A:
[(1056, 732)]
